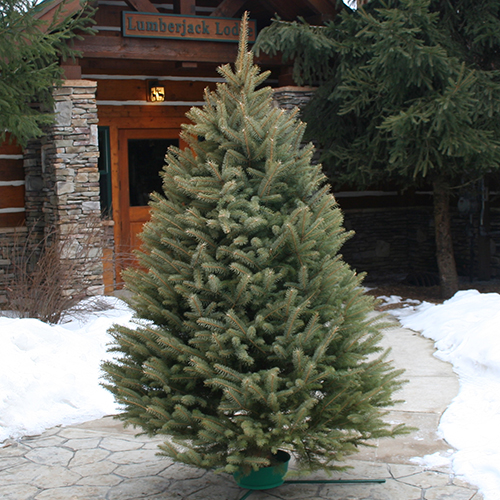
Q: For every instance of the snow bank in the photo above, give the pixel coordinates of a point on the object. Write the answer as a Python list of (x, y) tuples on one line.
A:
[(466, 331), (50, 374)]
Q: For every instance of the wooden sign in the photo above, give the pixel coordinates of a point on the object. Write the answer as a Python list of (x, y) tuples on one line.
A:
[(215, 29)]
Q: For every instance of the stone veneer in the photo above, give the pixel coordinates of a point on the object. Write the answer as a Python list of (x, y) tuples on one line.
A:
[(11, 239), (62, 187), (62, 183), (69, 178), (292, 97)]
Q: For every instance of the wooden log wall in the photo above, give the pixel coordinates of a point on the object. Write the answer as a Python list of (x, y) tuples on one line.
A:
[(12, 211)]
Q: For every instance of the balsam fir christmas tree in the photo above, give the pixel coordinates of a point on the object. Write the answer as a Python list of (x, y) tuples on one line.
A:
[(252, 334)]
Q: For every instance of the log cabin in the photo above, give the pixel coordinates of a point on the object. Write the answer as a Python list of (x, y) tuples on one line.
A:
[(119, 108)]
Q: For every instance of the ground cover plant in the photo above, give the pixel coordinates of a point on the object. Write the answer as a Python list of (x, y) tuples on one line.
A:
[(252, 333)]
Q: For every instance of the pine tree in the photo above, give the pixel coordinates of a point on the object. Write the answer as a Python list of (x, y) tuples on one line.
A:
[(409, 94), (252, 333), (30, 54)]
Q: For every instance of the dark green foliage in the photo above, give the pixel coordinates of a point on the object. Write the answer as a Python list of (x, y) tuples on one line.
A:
[(252, 333), (409, 91), (409, 94), (30, 53)]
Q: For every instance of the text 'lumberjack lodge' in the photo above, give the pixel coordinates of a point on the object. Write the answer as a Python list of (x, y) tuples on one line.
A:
[(137, 24)]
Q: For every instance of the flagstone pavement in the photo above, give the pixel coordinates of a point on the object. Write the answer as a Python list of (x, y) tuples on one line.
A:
[(100, 460)]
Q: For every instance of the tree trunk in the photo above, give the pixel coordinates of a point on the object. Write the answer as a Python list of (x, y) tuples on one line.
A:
[(448, 277)]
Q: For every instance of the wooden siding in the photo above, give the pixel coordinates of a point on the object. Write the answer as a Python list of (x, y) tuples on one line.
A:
[(11, 185), (136, 90)]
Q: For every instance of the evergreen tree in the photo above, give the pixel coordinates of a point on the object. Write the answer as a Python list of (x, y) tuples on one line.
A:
[(30, 54), (409, 94), (252, 333)]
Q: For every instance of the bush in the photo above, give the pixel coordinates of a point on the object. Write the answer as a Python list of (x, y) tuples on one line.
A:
[(49, 274)]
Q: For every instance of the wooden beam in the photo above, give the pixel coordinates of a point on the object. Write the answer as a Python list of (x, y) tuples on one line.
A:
[(186, 65), (48, 11), (106, 47), (228, 8), (187, 7), (13, 220), (135, 90), (324, 7), (142, 6), (11, 170), (72, 69), (11, 196), (10, 147)]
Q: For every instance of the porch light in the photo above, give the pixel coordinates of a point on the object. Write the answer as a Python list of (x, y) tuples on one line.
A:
[(156, 92)]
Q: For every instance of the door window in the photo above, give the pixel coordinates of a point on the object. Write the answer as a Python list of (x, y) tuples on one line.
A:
[(146, 158)]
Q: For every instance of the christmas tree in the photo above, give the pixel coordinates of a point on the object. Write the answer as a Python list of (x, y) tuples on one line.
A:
[(252, 334)]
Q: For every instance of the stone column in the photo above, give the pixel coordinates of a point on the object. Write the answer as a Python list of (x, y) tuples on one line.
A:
[(70, 178), (34, 197)]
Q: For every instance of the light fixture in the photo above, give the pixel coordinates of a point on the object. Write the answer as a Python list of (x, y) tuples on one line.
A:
[(156, 92)]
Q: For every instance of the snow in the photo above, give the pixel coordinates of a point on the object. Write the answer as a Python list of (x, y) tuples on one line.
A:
[(435, 460), (50, 375), (466, 332)]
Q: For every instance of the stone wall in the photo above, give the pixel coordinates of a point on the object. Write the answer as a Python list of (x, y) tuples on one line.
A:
[(475, 242), (390, 243), (292, 97), (70, 179), (393, 243), (35, 194), (495, 241), (12, 240), (62, 189)]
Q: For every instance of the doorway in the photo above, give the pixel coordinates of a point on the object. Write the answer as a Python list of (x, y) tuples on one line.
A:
[(141, 159)]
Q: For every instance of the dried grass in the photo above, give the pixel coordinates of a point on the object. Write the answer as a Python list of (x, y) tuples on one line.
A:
[(49, 274)]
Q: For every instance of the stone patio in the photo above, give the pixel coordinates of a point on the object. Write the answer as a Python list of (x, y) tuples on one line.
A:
[(100, 460)]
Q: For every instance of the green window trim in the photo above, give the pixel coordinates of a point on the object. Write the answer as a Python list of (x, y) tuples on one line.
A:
[(105, 171)]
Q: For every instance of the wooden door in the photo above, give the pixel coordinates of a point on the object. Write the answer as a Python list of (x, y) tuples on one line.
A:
[(141, 158)]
